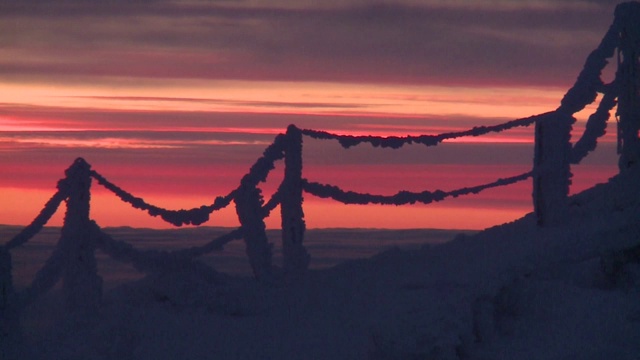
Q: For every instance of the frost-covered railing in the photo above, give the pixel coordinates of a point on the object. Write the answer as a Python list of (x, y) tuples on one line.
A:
[(73, 259)]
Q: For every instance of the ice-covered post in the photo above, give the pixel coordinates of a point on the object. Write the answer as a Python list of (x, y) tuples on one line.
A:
[(9, 321), (82, 286), (296, 258), (249, 209), (6, 281), (551, 169), (627, 16)]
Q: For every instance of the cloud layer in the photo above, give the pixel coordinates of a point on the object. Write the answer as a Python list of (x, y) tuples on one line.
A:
[(422, 42), (176, 99)]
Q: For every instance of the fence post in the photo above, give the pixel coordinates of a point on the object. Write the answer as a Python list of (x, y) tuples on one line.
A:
[(295, 256), (551, 169), (82, 286), (6, 281), (628, 16), (10, 332), (249, 209)]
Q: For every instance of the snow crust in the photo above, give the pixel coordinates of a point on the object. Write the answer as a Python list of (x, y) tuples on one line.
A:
[(515, 291)]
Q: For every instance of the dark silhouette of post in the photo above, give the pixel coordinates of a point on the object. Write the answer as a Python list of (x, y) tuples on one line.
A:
[(81, 284), (627, 16), (551, 169), (296, 258), (10, 332), (258, 249), (6, 281)]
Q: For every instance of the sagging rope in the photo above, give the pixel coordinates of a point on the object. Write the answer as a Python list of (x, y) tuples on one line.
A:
[(396, 142), (41, 220), (154, 260), (195, 216), (402, 197)]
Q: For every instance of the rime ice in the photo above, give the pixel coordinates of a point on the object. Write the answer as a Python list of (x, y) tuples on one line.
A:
[(562, 282)]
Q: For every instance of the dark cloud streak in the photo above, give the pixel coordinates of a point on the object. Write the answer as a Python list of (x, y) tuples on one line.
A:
[(266, 104), (371, 43)]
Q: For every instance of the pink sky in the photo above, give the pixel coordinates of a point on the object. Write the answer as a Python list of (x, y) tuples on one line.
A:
[(175, 100)]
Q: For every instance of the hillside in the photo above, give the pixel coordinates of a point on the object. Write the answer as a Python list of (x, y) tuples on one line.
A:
[(514, 291)]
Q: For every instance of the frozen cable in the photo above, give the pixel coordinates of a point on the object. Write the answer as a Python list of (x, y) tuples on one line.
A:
[(195, 216), (402, 197), (396, 142)]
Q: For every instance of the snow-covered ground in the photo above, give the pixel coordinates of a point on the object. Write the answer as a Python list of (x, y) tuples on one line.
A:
[(515, 291)]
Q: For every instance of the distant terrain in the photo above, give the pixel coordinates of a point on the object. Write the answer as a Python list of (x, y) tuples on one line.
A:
[(327, 247)]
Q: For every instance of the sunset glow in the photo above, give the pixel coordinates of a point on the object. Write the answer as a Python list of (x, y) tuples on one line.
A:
[(177, 108)]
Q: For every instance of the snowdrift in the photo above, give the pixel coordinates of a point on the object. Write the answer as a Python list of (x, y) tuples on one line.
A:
[(514, 291)]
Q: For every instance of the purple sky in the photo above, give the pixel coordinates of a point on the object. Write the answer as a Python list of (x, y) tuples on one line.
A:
[(180, 97)]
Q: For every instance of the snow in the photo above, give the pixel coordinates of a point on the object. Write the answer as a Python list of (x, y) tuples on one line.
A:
[(569, 289), (514, 291)]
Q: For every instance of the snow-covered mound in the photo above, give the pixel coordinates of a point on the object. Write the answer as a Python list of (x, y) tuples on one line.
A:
[(515, 291)]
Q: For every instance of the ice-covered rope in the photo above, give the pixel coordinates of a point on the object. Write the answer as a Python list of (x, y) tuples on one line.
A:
[(154, 260), (272, 203), (595, 128), (585, 91), (396, 142), (45, 278), (261, 168), (402, 197), (195, 216), (589, 82), (43, 217)]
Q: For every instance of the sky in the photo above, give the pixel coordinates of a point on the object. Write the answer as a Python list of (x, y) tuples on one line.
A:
[(174, 100)]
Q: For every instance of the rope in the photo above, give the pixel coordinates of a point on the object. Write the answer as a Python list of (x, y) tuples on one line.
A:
[(195, 216), (263, 166), (396, 142), (154, 260), (589, 82), (595, 128), (41, 220), (45, 278), (402, 197), (272, 203)]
